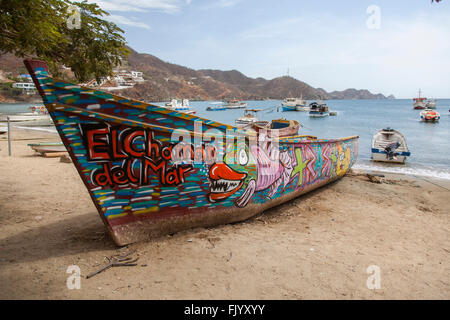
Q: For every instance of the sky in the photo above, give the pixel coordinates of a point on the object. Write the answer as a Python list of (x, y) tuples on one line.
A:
[(385, 46)]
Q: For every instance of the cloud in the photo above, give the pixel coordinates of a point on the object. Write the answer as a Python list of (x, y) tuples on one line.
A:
[(402, 56), (128, 22), (137, 6), (167, 6)]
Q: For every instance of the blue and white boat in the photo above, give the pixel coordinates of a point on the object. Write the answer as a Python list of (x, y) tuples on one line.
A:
[(294, 104), (183, 107), (217, 106), (389, 145)]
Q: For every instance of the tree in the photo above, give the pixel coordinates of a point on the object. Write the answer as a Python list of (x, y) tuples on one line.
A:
[(45, 29)]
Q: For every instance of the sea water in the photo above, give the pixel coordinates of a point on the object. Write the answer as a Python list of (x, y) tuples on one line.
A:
[(429, 143)]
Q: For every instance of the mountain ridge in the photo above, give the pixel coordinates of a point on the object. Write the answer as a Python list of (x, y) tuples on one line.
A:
[(165, 81)]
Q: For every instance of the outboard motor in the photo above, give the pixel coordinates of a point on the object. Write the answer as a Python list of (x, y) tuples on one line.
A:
[(390, 150)]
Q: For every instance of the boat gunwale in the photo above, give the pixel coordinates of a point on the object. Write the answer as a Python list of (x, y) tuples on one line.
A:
[(250, 134)]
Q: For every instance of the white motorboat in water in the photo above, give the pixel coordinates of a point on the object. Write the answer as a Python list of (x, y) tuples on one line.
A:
[(250, 117), (431, 104), (235, 104), (389, 145), (294, 104), (181, 107)]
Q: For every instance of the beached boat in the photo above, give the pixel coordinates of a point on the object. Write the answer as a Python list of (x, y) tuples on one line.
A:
[(419, 103), (25, 116), (429, 115), (235, 104), (294, 104), (277, 127), (250, 116), (3, 130), (389, 145), (48, 147), (430, 104), (318, 110), (147, 178), (37, 113)]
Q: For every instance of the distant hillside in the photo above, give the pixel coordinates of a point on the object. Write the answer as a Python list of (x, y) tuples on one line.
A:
[(166, 81)]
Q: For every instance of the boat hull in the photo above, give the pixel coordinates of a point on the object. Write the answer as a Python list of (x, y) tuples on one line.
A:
[(318, 114), (380, 156), (145, 182), (289, 108)]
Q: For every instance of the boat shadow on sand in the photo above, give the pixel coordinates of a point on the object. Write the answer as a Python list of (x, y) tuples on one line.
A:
[(69, 236), (85, 233)]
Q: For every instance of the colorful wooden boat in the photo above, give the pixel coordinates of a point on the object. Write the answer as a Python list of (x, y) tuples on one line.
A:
[(277, 127), (151, 171)]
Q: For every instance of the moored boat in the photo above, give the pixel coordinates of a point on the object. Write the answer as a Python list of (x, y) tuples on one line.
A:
[(180, 107), (235, 104), (294, 104), (429, 115), (216, 108), (389, 145), (430, 104), (277, 127), (318, 110), (250, 116), (147, 178), (419, 103)]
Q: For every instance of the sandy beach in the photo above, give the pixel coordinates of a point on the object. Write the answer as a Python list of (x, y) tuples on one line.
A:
[(317, 246)]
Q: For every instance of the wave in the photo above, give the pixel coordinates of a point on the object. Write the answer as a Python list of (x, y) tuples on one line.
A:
[(410, 169)]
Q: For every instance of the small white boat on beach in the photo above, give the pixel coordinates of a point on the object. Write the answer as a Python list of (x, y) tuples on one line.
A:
[(389, 145), (3, 130), (235, 104), (48, 147)]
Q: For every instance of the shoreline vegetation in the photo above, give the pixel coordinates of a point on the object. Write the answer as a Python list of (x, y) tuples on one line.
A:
[(317, 246)]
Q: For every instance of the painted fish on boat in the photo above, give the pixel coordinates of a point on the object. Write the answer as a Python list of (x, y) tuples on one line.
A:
[(151, 171)]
